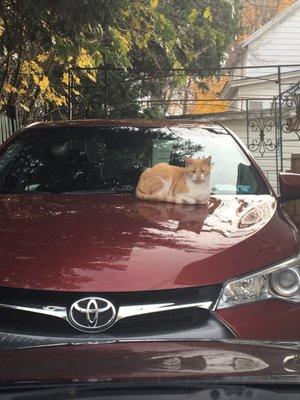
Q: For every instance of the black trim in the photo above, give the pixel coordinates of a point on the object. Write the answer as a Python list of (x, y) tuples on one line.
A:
[(210, 328)]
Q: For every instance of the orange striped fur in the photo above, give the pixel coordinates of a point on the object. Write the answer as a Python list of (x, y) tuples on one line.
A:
[(189, 184)]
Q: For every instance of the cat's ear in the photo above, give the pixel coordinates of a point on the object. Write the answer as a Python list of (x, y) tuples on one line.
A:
[(207, 160), (188, 161)]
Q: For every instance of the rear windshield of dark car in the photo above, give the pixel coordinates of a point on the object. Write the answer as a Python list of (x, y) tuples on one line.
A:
[(111, 159)]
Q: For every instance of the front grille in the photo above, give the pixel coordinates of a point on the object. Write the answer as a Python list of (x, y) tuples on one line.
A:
[(172, 323), (150, 324)]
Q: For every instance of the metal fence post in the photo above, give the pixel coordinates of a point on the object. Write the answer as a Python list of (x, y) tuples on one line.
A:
[(276, 140), (280, 116), (105, 92), (247, 120), (70, 87)]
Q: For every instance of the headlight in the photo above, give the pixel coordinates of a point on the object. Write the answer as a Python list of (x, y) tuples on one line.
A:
[(281, 281)]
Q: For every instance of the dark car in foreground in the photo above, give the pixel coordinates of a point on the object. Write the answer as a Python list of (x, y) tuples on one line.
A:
[(153, 370), (81, 258)]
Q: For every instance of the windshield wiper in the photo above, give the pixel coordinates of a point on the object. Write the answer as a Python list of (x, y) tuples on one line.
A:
[(5, 190), (9, 190), (100, 191)]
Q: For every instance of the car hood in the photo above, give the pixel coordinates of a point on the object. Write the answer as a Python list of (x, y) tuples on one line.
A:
[(109, 243)]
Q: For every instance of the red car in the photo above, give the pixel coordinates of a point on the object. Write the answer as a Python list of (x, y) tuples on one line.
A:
[(81, 258)]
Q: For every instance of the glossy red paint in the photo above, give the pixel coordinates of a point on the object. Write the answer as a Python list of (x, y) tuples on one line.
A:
[(140, 361), (271, 319), (107, 243)]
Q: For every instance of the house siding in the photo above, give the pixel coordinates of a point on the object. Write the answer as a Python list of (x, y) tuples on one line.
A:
[(268, 88), (279, 45), (267, 162)]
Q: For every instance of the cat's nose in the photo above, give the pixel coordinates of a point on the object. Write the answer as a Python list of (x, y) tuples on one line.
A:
[(200, 177)]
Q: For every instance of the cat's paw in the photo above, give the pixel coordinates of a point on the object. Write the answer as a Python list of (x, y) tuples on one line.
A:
[(203, 201), (190, 201)]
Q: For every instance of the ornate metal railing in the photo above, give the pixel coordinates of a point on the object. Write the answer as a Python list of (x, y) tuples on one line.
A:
[(262, 124), (290, 100)]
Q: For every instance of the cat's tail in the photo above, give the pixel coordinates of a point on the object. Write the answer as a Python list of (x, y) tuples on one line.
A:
[(140, 191), (140, 194), (148, 186), (152, 188), (143, 194), (153, 197)]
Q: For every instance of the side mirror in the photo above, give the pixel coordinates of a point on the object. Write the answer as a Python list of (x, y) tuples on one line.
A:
[(289, 184)]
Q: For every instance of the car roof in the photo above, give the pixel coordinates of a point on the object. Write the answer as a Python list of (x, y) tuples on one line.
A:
[(148, 123)]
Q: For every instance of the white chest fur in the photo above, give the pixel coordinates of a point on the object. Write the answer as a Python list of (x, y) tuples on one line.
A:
[(197, 192)]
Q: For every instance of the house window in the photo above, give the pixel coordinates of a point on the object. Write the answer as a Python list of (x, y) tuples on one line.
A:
[(255, 105)]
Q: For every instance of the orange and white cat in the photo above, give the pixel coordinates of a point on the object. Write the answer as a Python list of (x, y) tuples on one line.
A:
[(189, 184)]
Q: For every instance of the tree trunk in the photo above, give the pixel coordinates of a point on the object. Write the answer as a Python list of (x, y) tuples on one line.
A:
[(15, 77), (47, 70), (186, 96), (5, 73)]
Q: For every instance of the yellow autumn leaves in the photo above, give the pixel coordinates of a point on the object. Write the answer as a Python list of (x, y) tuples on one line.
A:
[(84, 60), (153, 3), (121, 41), (33, 77), (209, 101), (126, 35), (207, 14)]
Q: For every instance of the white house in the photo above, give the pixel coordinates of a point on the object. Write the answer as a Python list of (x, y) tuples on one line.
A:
[(257, 87)]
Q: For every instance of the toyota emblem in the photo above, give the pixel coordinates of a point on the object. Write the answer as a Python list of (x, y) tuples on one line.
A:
[(92, 314)]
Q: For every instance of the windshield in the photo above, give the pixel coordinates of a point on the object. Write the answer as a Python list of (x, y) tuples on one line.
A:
[(111, 159)]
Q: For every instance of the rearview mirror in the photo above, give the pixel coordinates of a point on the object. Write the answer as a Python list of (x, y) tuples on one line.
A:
[(289, 184)]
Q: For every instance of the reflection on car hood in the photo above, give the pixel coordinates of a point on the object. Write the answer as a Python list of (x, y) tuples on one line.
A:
[(106, 243), (247, 362)]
